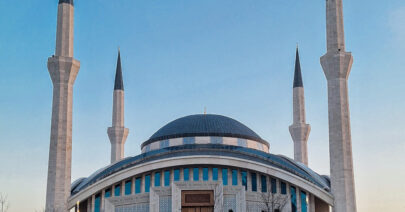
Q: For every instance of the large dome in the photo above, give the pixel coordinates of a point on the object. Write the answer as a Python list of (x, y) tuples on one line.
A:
[(204, 125)]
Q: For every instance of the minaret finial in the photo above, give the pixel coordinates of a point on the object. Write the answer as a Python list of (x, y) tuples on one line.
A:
[(297, 73), (119, 83)]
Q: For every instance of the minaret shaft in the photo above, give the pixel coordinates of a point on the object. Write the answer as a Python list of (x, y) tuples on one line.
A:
[(64, 32), (63, 70), (118, 109), (298, 105), (334, 25), (337, 64)]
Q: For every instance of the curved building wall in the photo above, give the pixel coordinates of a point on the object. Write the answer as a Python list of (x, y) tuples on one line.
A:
[(238, 185), (241, 142)]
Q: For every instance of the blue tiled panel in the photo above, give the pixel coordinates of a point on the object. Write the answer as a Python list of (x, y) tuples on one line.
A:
[(216, 140), (189, 140), (242, 142), (304, 203), (165, 204)]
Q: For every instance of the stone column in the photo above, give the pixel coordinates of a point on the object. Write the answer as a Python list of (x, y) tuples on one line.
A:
[(63, 70), (337, 64)]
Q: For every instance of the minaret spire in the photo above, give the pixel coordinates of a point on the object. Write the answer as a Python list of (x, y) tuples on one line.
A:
[(118, 133), (299, 130), (336, 64), (63, 69)]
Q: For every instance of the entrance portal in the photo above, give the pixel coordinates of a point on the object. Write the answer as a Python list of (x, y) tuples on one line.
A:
[(197, 201)]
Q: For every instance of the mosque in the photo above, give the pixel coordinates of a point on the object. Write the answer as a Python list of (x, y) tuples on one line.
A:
[(203, 162)]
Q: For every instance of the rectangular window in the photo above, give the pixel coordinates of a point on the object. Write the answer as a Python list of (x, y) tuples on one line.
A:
[(157, 179), (225, 176), (273, 186), (242, 142), (205, 174), (138, 185), (254, 181), (215, 174), (147, 183), (196, 174), (117, 190), (234, 177), (97, 203), (263, 181), (283, 188), (243, 175), (176, 175), (128, 187), (167, 178), (189, 140), (186, 174), (293, 199), (304, 203), (107, 193), (164, 144)]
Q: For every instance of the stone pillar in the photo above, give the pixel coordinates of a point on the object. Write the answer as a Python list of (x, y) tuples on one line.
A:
[(337, 64), (311, 205), (118, 133), (63, 70), (299, 130), (102, 198)]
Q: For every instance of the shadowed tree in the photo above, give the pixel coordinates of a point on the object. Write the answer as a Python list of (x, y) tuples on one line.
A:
[(4, 204), (273, 202)]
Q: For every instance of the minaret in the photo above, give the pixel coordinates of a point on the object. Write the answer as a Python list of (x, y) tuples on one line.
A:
[(63, 69), (336, 64), (299, 130), (118, 133)]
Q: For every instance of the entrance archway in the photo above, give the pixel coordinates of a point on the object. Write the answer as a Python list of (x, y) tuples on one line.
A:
[(197, 201)]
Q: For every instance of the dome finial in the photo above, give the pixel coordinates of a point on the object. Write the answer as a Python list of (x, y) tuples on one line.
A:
[(205, 110)]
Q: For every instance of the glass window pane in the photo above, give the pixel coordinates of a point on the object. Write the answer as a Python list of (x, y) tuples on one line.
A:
[(138, 185), (244, 178), (97, 203), (107, 193), (196, 174), (264, 183), (225, 176), (189, 140), (215, 174), (157, 179), (177, 175), (205, 174), (117, 190), (186, 174), (167, 178), (128, 187), (234, 177), (273, 185), (304, 203), (283, 188), (293, 199), (147, 183), (254, 181)]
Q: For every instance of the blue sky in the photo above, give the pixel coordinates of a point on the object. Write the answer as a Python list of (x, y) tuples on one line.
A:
[(234, 57)]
